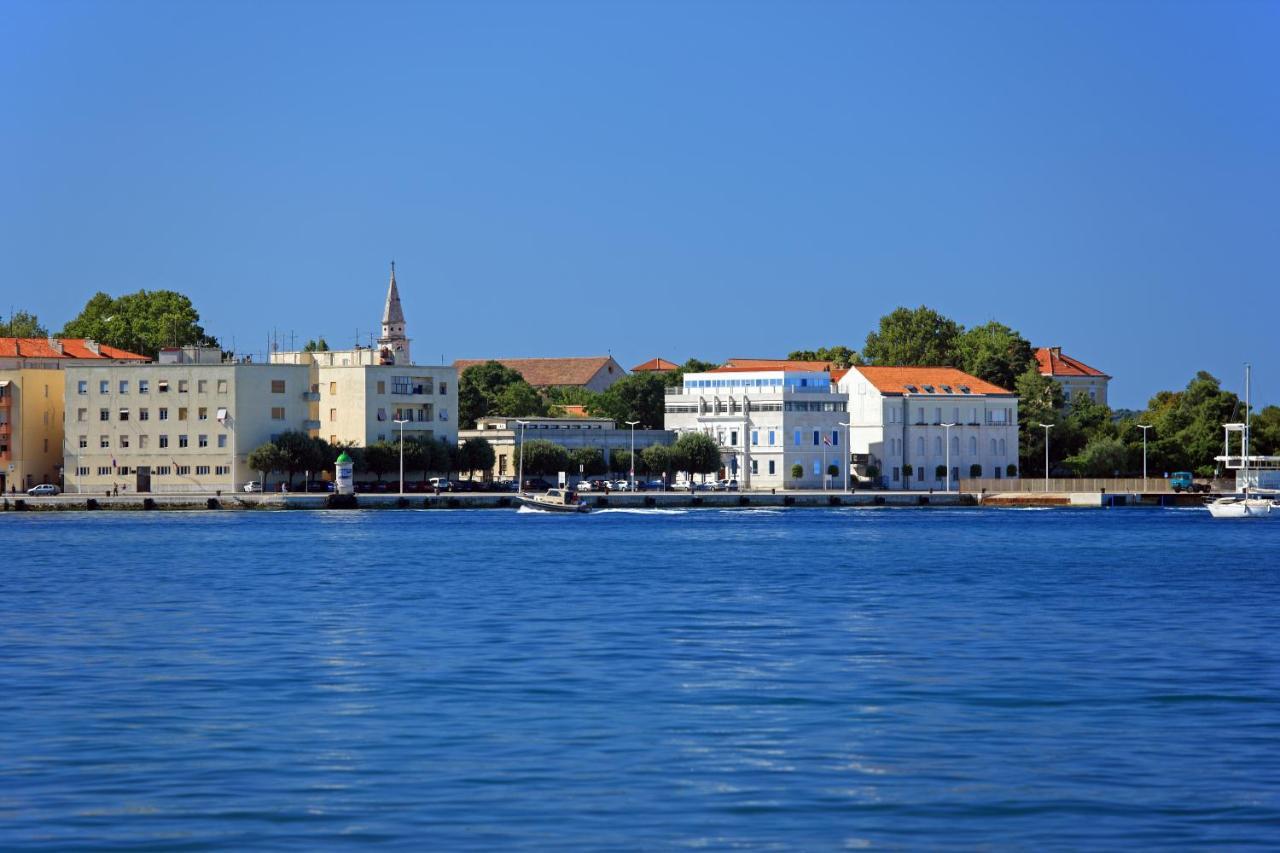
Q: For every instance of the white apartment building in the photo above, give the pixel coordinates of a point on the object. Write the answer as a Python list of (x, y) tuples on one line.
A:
[(185, 424), (361, 404), (899, 432), (766, 421)]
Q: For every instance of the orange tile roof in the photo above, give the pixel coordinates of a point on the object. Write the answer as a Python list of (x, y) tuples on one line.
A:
[(1053, 363), (72, 348), (773, 364), (837, 373), (574, 411), (547, 372), (658, 365), (766, 369), (894, 380)]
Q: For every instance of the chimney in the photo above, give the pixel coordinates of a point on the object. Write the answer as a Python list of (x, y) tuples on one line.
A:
[(55, 345), (1056, 352), (92, 346)]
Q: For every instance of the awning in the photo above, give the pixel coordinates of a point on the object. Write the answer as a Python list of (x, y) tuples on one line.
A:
[(4, 383), (222, 414)]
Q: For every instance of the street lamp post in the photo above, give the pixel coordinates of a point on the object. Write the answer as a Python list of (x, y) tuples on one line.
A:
[(948, 427), (520, 469), (401, 424), (633, 453), (1047, 427), (848, 451), (1144, 428)]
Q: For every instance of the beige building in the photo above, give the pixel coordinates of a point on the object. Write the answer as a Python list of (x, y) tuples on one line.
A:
[(570, 433), (361, 404), (185, 424), (1073, 375), (31, 404)]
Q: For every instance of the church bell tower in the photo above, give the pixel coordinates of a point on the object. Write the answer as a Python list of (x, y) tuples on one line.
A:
[(393, 346)]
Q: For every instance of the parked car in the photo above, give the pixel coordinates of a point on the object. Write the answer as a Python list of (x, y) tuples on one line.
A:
[(620, 486), (730, 485), (655, 485), (253, 486), (536, 484), (441, 483), (43, 489), (318, 486), (504, 485)]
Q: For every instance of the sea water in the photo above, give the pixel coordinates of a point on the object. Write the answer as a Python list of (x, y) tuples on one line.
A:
[(781, 679)]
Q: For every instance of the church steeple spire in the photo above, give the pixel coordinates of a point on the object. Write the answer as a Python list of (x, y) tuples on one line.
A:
[(393, 343)]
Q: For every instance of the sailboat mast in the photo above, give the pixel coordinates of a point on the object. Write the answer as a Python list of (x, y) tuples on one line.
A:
[(1245, 461)]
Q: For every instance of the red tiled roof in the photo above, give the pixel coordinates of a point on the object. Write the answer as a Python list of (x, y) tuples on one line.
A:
[(1053, 363), (837, 373), (72, 348), (773, 364), (657, 365), (547, 372), (768, 368), (574, 411), (894, 380)]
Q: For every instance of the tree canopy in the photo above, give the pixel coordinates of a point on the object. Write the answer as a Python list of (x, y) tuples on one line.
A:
[(141, 322), (993, 352), (22, 324), (542, 457), (492, 388), (320, 345), (476, 454), (697, 453), (919, 336), (638, 397), (839, 356)]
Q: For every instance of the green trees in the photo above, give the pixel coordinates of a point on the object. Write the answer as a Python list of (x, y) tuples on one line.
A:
[(620, 462), (1103, 456), (1039, 401), (1186, 425), (638, 397), (141, 322), (265, 459), (381, 457), (543, 458), (493, 388), (658, 459), (476, 454), (320, 345), (697, 453), (993, 352), (22, 324), (797, 471), (588, 461), (919, 336), (839, 356)]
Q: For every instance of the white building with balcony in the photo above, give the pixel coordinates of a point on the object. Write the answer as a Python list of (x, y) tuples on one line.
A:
[(900, 438), (769, 422)]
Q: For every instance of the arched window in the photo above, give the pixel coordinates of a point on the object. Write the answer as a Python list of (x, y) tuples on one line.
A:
[(920, 445), (955, 445), (993, 447), (1002, 447), (755, 466), (937, 446), (973, 445)]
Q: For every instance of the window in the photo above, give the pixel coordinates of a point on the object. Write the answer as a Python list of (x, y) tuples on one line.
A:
[(277, 385), (1066, 395), (333, 387), (82, 387), (144, 386), (163, 414), (202, 441), (82, 414), (184, 470), (84, 441), (182, 441), (162, 386), (937, 415), (444, 387), (124, 386), (955, 445), (755, 437), (1002, 447), (993, 447), (164, 440), (161, 470), (382, 386), (401, 385), (772, 438), (104, 387), (733, 438), (222, 386), (817, 438), (202, 414), (772, 466), (333, 415), (920, 414), (937, 445), (143, 441), (104, 470), (1093, 394), (835, 438), (104, 441), (277, 413), (817, 468), (755, 466), (222, 470), (124, 441), (973, 446), (920, 445), (382, 414), (124, 414), (124, 470), (82, 471), (202, 470), (202, 385), (144, 414), (920, 473), (222, 439), (897, 474), (182, 413), (182, 386)]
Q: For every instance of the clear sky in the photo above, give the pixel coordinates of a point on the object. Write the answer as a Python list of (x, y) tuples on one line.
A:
[(664, 178)]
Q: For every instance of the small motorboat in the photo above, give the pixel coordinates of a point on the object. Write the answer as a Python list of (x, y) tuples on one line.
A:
[(554, 500), (1240, 507)]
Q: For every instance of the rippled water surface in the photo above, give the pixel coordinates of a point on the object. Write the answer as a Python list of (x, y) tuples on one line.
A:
[(626, 680)]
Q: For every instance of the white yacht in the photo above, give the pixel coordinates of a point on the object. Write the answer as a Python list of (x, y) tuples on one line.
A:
[(1252, 501)]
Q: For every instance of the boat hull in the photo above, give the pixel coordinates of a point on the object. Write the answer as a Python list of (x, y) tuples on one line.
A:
[(1251, 508), (543, 506)]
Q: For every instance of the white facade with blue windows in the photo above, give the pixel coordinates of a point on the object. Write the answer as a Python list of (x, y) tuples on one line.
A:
[(776, 428)]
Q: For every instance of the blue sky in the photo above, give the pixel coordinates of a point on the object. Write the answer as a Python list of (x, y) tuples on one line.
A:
[(676, 179)]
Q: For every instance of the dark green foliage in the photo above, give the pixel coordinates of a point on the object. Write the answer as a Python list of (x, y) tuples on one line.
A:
[(839, 356), (22, 324), (918, 336), (141, 322), (476, 454), (638, 397), (493, 388), (698, 453), (543, 458), (587, 460), (995, 353)]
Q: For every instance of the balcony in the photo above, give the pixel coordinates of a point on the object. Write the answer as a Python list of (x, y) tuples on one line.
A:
[(311, 396), (310, 425)]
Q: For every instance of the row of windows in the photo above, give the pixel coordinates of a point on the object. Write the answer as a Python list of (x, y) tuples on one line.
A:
[(144, 441), (162, 414), (156, 471), (997, 446), (401, 385), (991, 415), (775, 382), (143, 386)]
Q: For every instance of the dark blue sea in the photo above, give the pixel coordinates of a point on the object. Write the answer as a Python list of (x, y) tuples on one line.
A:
[(794, 680)]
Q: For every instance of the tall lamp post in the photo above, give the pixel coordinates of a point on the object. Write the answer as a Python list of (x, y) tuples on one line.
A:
[(848, 451), (633, 453), (1047, 427), (520, 470), (1144, 428), (948, 427), (401, 425)]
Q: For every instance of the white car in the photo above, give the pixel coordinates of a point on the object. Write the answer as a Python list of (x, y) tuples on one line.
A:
[(43, 489), (621, 486), (253, 486)]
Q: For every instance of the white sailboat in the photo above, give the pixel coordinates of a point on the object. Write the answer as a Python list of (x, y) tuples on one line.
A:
[(1242, 505)]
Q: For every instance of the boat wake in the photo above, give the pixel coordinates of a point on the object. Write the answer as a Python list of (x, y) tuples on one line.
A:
[(650, 511)]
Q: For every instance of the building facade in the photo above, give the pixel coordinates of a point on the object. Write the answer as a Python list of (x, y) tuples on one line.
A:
[(1073, 375), (360, 404), (31, 404), (899, 434), (184, 425), (570, 433), (776, 428)]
